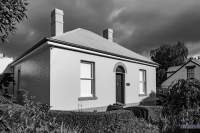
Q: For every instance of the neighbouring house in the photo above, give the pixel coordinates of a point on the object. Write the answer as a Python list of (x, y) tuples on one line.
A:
[(189, 70), (172, 70), (81, 70)]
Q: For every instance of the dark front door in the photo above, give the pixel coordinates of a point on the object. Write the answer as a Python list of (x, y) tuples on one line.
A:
[(120, 88)]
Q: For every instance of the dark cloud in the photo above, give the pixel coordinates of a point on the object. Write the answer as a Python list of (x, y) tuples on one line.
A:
[(138, 24), (155, 25)]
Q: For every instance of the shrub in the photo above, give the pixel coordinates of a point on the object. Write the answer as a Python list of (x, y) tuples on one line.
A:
[(27, 118), (114, 107), (36, 117), (181, 103), (139, 111), (152, 114), (6, 79), (109, 122), (150, 100)]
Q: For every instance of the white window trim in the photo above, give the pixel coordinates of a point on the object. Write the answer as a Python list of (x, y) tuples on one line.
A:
[(143, 82), (93, 97)]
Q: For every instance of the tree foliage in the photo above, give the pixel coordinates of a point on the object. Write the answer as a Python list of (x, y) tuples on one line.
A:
[(170, 55), (5, 80), (182, 103), (167, 56), (11, 13)]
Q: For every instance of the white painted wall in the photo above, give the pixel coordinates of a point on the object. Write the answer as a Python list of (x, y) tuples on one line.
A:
[(182, 74), (35, 75), (65, 80)]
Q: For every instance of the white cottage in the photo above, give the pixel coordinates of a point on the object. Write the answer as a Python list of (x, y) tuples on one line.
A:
[(80, 70)]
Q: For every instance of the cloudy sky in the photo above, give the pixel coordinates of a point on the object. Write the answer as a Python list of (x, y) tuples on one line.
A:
[(139, 25)]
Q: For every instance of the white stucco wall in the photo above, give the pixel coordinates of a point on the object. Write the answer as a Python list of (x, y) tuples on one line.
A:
[(35, 75), (65, 80), (182, 74)]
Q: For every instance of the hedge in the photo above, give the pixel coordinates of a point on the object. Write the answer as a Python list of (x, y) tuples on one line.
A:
[(109, 122), (149, 113), (35, 117)]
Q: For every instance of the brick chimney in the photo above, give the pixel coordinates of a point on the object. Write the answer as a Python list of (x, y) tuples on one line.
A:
[(57, 22), (108, 34)]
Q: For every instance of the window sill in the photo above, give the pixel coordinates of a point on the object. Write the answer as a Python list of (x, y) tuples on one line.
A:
[(87, 98)]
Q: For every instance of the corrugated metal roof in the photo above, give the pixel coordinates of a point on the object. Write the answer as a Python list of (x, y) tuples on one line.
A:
[(90, 39)]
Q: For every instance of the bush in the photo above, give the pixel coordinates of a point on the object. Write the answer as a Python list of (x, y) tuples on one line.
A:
[(152, 114), (150, 100), (27, 118), (114, 107), (20, 119), (36, 117), (139, 112), (109, 122), (181, 104)]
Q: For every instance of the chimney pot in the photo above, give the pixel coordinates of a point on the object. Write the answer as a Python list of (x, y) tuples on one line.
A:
[(56, 22), (108, 34)]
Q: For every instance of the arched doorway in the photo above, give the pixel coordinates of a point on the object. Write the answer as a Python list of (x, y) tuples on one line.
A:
[(120, 84)]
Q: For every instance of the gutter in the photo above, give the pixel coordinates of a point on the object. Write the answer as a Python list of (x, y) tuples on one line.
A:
[(44, 40), (99, 51)]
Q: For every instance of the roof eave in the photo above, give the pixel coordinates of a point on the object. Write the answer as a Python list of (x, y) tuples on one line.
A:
[(45, 39), (96, 50)]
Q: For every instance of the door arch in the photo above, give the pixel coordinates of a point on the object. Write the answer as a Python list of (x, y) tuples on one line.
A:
[(120, 84)]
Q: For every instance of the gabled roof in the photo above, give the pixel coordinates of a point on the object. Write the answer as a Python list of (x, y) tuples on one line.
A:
[(92, 40), (173, 69), (197, 62)]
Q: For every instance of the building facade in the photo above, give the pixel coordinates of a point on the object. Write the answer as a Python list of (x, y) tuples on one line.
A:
[(189, 70), (80, 70)]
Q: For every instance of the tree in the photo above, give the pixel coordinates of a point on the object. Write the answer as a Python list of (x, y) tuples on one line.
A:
[(167, 56), (11, 13)]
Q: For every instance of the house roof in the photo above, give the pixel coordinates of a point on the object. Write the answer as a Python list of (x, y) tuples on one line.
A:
[(85, 39), (92, 40), (173, 69), (195, 61)]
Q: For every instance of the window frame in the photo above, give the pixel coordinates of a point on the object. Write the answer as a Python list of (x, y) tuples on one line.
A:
[(144, 82), (193, 70), (92, 78)]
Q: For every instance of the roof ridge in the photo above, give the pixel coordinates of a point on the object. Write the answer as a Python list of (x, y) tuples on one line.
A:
[(91, 39)]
